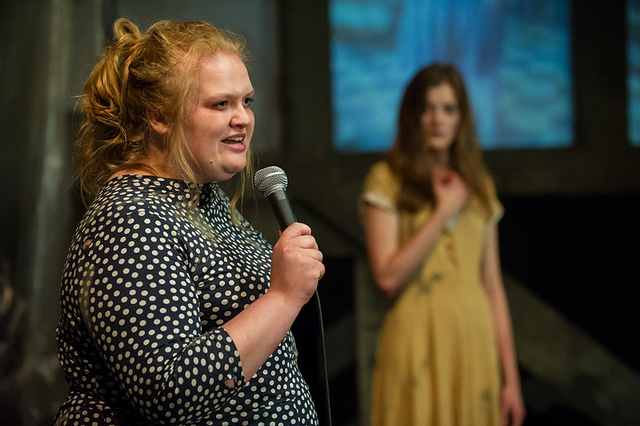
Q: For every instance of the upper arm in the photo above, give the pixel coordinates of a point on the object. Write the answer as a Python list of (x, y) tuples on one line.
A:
[(142, 309), (382, 231), (490, 268)]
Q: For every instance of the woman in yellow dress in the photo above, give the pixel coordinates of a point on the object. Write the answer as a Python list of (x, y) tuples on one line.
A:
[(445, 353)]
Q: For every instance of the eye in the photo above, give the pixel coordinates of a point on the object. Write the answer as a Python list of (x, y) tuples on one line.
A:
[(248, 101), (450, 109), (220, 104)]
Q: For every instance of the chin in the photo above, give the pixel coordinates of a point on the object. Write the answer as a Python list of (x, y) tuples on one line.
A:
[(231, 171), (440, 146)]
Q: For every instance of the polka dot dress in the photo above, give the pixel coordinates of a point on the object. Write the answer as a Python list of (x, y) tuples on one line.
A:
[(148, 283)]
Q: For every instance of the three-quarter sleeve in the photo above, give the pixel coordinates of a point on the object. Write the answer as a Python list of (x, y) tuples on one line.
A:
[(141, 308)]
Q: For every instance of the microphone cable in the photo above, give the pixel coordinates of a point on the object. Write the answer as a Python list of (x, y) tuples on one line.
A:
[(324, 357), (272, 182)]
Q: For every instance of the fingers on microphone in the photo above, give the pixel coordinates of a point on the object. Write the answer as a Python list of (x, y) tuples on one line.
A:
[(309, 242), (322, 271), (296, 229)]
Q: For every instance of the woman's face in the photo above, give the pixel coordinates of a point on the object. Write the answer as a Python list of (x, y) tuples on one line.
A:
[(441, 117), (219, 121)]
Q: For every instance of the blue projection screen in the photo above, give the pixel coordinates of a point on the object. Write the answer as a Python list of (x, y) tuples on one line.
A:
[(514, 56)]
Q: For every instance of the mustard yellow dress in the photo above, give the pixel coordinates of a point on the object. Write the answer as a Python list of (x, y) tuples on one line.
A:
[(436, 359)]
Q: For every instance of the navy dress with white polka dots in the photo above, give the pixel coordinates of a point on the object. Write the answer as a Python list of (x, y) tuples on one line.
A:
[(148, 284)]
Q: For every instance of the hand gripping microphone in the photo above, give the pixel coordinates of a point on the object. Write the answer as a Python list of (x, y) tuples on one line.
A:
[(272, 183)]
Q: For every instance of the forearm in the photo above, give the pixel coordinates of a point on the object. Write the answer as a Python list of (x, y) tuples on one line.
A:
[(512, 406), (296, 268), (258, 330), (393, 273), (504, 336), (494, 288)]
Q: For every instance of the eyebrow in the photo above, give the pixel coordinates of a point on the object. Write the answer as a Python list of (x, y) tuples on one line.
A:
[(228, 95)]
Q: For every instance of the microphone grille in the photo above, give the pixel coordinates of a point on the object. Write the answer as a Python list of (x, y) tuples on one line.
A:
[(269, 179)]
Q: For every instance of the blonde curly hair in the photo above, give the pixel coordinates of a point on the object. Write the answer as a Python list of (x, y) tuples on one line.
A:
[(141, 73)]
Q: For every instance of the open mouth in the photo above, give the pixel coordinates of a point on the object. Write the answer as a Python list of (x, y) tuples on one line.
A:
[(234, 141)]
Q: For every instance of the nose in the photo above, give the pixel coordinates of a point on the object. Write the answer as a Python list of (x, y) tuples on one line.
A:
[(437, 115), (241, 116)]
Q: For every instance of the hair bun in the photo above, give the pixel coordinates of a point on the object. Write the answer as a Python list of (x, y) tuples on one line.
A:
[(124, 29)]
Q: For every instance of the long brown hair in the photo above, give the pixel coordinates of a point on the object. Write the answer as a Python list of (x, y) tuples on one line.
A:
[(156, 71), (408, 157)]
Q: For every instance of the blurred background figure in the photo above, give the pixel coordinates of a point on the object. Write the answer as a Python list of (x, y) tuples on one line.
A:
[(430, 214)]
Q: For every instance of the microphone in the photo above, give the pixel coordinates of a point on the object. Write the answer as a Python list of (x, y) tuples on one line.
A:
[(272, 182)]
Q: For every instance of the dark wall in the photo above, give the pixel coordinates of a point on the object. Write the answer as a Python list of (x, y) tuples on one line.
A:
[(580, 253)]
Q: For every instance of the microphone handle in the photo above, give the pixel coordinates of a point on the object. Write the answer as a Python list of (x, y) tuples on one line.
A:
[(282, 208)]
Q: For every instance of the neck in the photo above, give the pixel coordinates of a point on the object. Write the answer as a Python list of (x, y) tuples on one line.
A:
[(131, 172), (439, 157), (154, 165)]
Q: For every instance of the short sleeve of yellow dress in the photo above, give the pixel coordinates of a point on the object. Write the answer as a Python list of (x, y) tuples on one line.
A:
[(436, 357)]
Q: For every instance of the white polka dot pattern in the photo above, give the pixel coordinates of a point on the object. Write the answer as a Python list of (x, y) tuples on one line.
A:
[(147, 286)]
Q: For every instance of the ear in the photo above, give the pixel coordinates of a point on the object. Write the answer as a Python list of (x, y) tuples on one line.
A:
[(157, 121)]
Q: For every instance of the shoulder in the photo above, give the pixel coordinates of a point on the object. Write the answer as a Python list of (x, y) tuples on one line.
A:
[(380, 169), (138, 199), (381, 175), (381, 187)]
